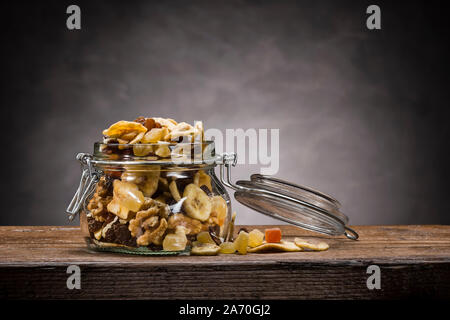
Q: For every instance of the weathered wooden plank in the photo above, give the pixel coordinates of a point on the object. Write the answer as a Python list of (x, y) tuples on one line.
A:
[(414, 261)]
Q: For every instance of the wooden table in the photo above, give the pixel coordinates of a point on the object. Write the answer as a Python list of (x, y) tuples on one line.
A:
[(414, 261)]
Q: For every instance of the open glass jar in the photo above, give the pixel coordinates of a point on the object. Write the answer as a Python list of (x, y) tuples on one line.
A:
[(133, 199), (146, 204)]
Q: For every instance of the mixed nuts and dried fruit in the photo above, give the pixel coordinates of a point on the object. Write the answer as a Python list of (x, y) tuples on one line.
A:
[(173, 209)]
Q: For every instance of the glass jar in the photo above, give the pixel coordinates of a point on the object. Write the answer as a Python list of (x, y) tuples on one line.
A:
[(156, 203)]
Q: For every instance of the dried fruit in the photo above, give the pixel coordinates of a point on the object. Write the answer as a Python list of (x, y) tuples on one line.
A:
[(162, 150), (205, 237), (219, 209), (197, 204), (311, 244), (255, 238), (241, 242), (182, 129), (202, 179), (230, 232), (273, 235), (147, 181), (120, 128), (275, 247), (127, 195), (155, 135), (204, 249), (168, 123), (116, 208), (192, 225), (227, 247), (175, 241), (174, 191), (142, 150)]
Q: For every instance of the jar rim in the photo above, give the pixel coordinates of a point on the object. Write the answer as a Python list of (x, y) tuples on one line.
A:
[(181, 154)]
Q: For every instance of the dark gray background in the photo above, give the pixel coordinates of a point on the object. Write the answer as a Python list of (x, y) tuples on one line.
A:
[(362, 114)]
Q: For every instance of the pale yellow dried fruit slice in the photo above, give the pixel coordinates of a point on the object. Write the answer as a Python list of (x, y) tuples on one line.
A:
[(241, 242), (137, 138), (227, 247), (255, 238), (205, 237), (120, 211), (182, 129), (204, 249), (120, 128), (311, 244), (202, 179), (174, 191), (166, 122), (198, 131), (128, 195), (175, 241), (285, 246), (155, 135), (219, 208), (162, 151), (142, 150), (147, 181), (197, 204)]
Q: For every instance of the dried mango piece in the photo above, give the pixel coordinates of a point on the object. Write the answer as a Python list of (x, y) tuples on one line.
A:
[(255, 238), (204, 249), (227, 247), (273, 235), (311, 244), (241, 242), (123, 127), (276, 247)]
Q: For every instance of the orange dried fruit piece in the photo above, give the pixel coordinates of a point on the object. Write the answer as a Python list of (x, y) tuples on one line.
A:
[(255, 238), (285, 246), (241, 242), (273, 235), (122, 127), (227, 247), (311, 244)]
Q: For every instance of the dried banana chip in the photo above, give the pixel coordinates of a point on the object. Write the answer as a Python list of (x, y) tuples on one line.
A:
[(174, 191), (202, 179), (275, 247), (123, 127), (197, 204), (204, 249), (311, 244)]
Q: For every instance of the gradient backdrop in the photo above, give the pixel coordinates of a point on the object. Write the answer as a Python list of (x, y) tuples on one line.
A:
[(362, 114)]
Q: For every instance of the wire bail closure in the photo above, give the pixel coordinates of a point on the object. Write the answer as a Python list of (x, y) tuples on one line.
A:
[(229, 160), (89, 177)]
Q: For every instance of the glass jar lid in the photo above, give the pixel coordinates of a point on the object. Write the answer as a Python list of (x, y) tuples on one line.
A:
[(298, 205)]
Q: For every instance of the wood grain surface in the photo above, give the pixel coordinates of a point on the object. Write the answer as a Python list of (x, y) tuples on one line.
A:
[(414, 262)]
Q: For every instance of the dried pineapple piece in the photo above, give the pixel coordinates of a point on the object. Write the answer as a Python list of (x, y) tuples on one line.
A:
[(155, 135), (175, 241), (120, 128), (255, 238), (142, 150), (205, 237), (127, 195), (116, 208), (241, 242), (311, 244), (274, 247), (227, 247)]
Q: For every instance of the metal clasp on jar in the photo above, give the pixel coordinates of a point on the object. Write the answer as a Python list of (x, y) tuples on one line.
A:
[(89, 178)]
